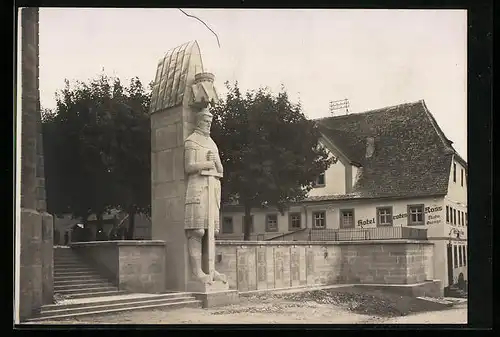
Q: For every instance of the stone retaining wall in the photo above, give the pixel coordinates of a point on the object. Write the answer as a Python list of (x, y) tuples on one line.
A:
[(269, 265), (136, 266)]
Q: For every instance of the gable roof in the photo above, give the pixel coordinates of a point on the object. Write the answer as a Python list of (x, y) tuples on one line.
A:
[(412, 155)]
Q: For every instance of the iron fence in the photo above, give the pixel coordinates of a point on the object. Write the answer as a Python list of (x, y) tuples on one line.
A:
[(378, 233)]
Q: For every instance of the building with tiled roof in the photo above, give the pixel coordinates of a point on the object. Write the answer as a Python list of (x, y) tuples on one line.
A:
[(395, 169)]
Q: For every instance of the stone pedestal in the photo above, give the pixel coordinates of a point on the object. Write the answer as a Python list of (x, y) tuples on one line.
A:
[(217, 298), (199, 287)]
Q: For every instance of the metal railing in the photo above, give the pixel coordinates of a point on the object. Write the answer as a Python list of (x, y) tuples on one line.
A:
[(345, 234), (378, 233)]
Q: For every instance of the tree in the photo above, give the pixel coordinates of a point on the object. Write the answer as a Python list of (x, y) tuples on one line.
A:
[(98, 148), (131, 152), (270, 150)]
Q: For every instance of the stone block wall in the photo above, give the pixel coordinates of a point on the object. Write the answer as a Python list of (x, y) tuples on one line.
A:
[(142, 268), (273, 265), (135, 266)]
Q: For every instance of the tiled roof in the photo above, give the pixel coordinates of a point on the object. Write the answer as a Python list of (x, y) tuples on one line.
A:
[(412, 156)]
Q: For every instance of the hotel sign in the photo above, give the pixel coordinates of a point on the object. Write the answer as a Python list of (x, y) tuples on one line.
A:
[(432, 219)]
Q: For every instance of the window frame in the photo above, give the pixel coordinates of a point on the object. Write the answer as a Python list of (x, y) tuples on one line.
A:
[(223, 223), (318, 185), (314, 219), (269, 229), (341, 218), (290, 220), (417, 223), (391, 216)]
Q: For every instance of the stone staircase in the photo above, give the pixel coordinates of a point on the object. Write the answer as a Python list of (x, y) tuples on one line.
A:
[(70, 309), (79, 290), (74, 278)]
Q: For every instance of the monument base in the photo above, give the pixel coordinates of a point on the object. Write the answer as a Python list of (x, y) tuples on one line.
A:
[(218, 298), (213, 295), (199, 287)]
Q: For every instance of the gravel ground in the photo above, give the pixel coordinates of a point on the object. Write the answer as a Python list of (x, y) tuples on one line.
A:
[(333, 306)]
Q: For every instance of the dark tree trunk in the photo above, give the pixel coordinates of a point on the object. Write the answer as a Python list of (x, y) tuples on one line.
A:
[(131, 223), (86, 233), (99, 234), (247, 226)]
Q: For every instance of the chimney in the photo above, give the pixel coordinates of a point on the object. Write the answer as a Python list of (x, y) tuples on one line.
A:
[(370, 147)]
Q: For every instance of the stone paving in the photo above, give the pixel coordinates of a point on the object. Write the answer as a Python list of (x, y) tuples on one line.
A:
[(255, 310)]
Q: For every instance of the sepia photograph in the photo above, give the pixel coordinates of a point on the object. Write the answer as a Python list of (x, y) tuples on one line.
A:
[(241, 166)]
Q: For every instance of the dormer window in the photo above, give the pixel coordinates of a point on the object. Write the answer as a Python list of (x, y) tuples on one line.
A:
[(320, 181)]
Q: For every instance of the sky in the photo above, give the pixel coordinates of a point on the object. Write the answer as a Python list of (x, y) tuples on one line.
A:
[(374, 58)]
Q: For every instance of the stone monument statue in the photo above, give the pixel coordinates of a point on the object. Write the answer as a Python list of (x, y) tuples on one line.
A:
[(186, 173), (204, 170)]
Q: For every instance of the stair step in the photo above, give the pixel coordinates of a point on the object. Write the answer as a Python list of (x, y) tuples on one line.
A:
[(65, 266), (129, 304), (69, 263), (77, 281), (87, 290), (183, 304), (58, 269), (72, 278), (76, 273), (95, 294), (103, 283), (128, 298)]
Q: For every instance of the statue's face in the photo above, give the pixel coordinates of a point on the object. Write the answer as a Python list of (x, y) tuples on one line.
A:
[(205, 123)]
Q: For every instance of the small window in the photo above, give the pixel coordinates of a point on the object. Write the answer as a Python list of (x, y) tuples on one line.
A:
[(462, 177), (454, 216), (447, 214), (454, 172), (346, 218), (459, 223), (295, 221), (271, 223), (455, 256), (227, 225), (384, 216), (463, 220), (243, 224), (460, 260), (320, 181), (319, 219), (416, 215), (466, 219)]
